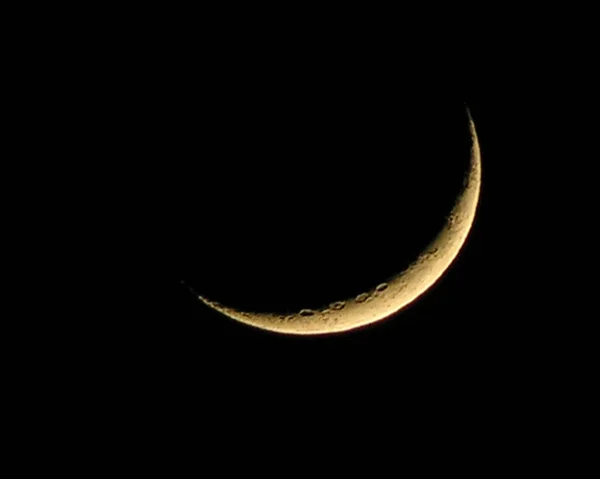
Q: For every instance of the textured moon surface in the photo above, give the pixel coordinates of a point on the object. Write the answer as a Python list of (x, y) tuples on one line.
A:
[(387, 298)]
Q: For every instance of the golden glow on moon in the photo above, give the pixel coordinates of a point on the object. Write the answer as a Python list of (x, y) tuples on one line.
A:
[(399, 291)]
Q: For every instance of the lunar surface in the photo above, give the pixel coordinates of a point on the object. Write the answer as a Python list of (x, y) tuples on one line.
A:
[(391, 296)]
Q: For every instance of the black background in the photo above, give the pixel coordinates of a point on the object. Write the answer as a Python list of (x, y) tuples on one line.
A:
[(285, 177), (155, 152)]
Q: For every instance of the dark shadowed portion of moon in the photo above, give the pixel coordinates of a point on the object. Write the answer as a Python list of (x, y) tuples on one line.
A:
[(319, 194)]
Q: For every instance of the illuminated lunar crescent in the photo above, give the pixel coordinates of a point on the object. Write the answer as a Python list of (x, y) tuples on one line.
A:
[(400, 290)]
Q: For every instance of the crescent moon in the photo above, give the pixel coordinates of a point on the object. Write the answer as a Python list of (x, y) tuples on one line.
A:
[(399, 291)]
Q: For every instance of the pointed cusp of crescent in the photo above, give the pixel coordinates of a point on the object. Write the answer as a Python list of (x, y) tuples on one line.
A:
[(399, 291)]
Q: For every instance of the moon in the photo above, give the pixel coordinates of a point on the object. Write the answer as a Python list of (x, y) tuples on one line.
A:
[(390, 297)]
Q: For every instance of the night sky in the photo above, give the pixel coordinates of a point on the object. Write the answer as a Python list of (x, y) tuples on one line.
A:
[(281, 177)]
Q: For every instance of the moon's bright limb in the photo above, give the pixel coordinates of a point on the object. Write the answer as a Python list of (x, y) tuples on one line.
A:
[(399, 291)]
